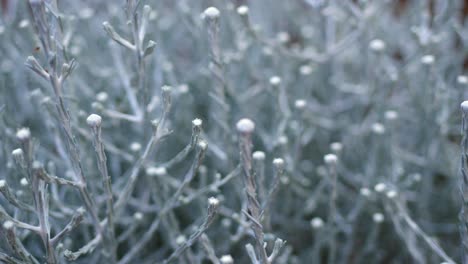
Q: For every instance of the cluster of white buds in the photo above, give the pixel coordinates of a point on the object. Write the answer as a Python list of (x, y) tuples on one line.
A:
[(197, 122), (464, 106), (378, 128), (8, 225), (181, 239), (300, 104), (278, 163), (138, 216), (462, 79), (135, 147), (336, 147), (391, 115), (366, 192), (305, 70), (392, 194)]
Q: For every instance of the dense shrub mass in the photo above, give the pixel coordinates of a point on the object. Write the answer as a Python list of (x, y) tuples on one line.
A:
[(233, 131)]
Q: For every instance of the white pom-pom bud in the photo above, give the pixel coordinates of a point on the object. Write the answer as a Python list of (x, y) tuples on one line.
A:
[(242, 10), (23, 134), (138, 216), (245, 125), (94, 120), (2, 183), (305, 70), (226, 259), (380, 187), (275, 80), (464, 106), (211, 12), (392, 194), (316, 223), (378, 218), (377, 45), (102, 96), (202, 144), (462, 79), (330, 159), (135, 147), (24, 182), (258, 155), (156, 171), (212, 201), (378, 128), (336, 147), (8, 225), (391, 115), (300, 104), (197, 122), (278, 162), (180, 240), (427, 59), (365, 192), (17, 153)]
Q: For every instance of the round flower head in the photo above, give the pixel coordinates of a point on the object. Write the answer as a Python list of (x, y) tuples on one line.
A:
[(300, 104), (8, 225), (380, 187), (377, 45), (242, 10), (427, 60), (94, 120), (245, 125), (213, 201), (258, 155), (391, 115), (278, 162), (2, 183), (23, 134), (211, 12), (305, 70), (378, 218), (197, 122), (462, 79), (226, 259), (336, 147), (330, 159), (378, 128), (275, 80), (464, 106), (316, 223)]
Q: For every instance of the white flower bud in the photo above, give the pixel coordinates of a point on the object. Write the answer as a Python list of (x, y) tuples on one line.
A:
[(462, 79), (391, 115), (464, 106), (242, 10), (8, 225), (94, 120), (156, 171), (278, 162), (138, 216), (211, 12), (305, 70), (378, 128), (197, 122), (365, 192), (336, 147), (300, 104), (180, 240), (2, 183), (377, 45), (226, 259), (380, 187), (23, 23), (135, 146), (212, 201), (427, 59), (102, 96), (202, 144), (23, 134), (316, 223), (283, 37), (275, 80), (392, 194), (17, 153), (245, 125), (330, 159), (258, 155), (378, 218), (24, 182)]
